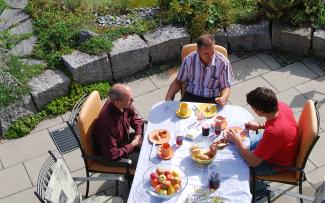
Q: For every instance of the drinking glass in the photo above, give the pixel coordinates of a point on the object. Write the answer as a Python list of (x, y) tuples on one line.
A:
[(214, 176)]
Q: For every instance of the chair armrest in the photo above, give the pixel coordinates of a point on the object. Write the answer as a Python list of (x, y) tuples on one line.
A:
[(101, 178), (121, 162)]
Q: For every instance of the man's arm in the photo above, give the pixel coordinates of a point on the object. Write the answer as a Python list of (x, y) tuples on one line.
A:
[(136, 122), (173, 89), (223, 98)]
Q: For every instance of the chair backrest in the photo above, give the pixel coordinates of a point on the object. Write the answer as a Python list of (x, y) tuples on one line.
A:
[(189, 48), (86, 121), (308, 126), (55, 182)]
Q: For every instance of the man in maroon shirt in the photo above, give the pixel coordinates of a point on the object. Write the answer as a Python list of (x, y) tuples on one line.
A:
[(278, 147), (112, 137)]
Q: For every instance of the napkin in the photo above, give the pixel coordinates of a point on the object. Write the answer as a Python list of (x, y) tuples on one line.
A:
[(193, 133)]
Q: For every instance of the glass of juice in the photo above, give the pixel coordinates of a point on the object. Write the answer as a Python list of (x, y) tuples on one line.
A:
[(179, 138), (214, 176)]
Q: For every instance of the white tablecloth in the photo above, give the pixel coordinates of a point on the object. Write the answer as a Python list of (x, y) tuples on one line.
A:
[(234, 171)]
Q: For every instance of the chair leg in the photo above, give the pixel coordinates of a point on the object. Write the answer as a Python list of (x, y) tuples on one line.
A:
[(253, 186), (300, 190), (269, 196), (116, 187), (87, 185)]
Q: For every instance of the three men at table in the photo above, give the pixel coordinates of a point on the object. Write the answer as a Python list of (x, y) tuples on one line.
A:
[(112, 138), (279, 144), (208, 75)]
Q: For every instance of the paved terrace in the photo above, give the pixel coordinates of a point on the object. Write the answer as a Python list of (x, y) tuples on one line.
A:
[(293, 79)]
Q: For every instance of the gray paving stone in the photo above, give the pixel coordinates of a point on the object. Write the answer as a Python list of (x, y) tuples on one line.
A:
[(314, 67), (269, 61), (10, 17), (31, 62), (309, 166), (73, 160), (22, 28), (16, 3), (289, 76), (239, 91), (164, 79), (31, 146), (316, 177), (22, 196), (1, 166), (248, 68), (293, 98), (33, 167), (317, 154), (15, 179), (141, 86), (48, 123), (123, 191), (144, 103), (233, 58), (307, 189), (66, 116), (94, 186), (25, 47)]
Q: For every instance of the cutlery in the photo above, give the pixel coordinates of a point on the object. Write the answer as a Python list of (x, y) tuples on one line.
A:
[(152, 147)]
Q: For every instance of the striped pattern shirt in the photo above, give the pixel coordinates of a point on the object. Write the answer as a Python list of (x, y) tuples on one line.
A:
[(206, 81)]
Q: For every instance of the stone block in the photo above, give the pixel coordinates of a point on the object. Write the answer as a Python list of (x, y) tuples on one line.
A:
[(48, 86), (221, 38), (10, 17), (164, 43), (17, 110), (291, 40), (25, 47), (16, 3), (128, 56), (319, 43), (249, 37), (22, 28), (87, 68), (85, 35)]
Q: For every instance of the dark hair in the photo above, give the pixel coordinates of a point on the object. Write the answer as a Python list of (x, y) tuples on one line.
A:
[(263, 99), (206, 40)]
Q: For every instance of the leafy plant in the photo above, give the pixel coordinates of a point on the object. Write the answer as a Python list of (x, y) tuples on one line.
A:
[(8, 40), (3, 5), (23, 126)]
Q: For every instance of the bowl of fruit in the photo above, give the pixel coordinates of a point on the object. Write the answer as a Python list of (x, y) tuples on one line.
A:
[(164, 180)]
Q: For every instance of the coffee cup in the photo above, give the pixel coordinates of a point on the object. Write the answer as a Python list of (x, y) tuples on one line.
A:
[(183, 107), (165, 149)]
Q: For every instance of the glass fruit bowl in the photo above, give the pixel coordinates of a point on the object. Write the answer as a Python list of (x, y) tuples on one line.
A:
[(164, 180)]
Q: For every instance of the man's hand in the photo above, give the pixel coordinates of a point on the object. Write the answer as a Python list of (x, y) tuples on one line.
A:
[(137, 141), (233, 136), (252, 125), (221, 101)]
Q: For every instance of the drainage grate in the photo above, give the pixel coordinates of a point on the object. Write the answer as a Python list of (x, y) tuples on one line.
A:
[(64, 140)]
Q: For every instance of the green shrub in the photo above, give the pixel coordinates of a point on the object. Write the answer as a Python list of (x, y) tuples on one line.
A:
[(245, 11), (96, 45), (320, 20), (25, 125), (200, 16), (3, 5)]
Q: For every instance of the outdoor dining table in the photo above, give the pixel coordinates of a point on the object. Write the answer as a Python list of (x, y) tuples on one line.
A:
[(234, 171)]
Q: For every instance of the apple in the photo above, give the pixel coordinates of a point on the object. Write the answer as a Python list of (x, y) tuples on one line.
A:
[(157, 188), (153, 175), (169, 177), (176, 187), (159, 171), (170, 190), (154, 182), (161, 178), (165, 184), (175, 173), (175, 180), (167, 172), (163, 192)]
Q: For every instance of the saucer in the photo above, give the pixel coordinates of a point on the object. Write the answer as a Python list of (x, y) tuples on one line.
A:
[(165, 157), (188, 113)]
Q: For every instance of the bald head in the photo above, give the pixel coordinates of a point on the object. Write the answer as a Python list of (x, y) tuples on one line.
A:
[(119, 92), (204, 41)]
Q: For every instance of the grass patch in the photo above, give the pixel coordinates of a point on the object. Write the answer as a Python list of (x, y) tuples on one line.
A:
[(3, 5), (8, 41), (25, 125)]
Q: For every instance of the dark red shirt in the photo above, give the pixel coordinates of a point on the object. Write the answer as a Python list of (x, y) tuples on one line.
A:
[(279, 144), (112, 137)]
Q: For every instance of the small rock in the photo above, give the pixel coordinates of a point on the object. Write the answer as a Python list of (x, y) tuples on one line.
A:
[(85, 35), (25, 47)]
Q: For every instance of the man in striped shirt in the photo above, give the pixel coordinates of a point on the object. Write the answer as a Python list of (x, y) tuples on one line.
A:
[(207, 74)]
